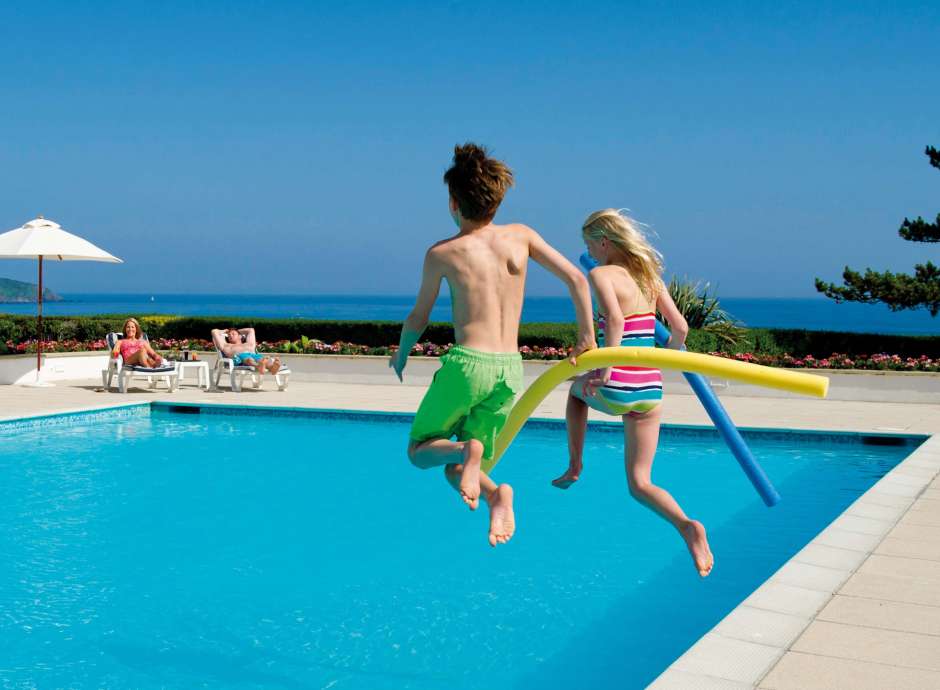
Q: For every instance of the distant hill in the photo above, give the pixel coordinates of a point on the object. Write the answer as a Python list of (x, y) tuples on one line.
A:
[(18, 291)]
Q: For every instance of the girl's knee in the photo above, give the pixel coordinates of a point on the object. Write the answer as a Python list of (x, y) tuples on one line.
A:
[(639, 487)]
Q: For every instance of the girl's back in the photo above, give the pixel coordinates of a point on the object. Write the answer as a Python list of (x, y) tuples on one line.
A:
[(629, 295)]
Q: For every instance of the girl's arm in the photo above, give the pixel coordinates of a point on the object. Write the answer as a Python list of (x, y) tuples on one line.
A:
[(417, 321), (609, 305), (675, 319), (116, 349)]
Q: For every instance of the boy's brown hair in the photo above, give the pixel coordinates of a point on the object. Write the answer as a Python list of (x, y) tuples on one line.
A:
[(477, 182)]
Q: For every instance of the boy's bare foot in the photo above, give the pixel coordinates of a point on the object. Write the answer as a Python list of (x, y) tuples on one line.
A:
[(470, 479), (276, 367), (697, 541), (566, 480), (502, 519)]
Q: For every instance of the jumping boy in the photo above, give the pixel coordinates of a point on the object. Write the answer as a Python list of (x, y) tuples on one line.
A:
[(485, 267)]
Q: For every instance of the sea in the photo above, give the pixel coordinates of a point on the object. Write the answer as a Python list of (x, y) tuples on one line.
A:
[(809, 313)]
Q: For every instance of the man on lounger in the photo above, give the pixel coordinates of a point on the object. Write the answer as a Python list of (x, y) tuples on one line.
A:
[(241, 346)]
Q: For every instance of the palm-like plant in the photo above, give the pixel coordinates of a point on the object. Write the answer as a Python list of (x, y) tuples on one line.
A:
[(701, 309)]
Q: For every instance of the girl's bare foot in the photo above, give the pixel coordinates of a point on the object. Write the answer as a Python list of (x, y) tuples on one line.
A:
[(276, 367), (697, 541), (470, 479), (502, 519), (567, 479)]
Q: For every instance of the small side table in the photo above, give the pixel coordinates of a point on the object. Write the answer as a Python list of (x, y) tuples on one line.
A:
[(202, 372)]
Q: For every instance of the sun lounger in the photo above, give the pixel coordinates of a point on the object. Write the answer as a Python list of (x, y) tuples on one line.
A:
[(226, 366), (124, 372)]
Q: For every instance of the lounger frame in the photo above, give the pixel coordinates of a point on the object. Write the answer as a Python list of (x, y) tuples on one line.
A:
[(124, 373)]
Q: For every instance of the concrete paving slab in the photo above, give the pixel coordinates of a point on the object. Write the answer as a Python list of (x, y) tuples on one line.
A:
[(923, 571), (892, 546), (891, 588), (922, 518), (917, 533), (888, 615), (874, 645), (797, 671)]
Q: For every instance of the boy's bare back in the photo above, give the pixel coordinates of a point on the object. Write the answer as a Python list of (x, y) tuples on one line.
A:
[(486, 270)]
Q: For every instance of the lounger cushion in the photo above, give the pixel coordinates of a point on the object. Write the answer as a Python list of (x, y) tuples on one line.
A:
[(162, 369)]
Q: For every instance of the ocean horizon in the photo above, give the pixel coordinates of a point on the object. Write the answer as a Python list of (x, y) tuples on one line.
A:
[(809, 313)]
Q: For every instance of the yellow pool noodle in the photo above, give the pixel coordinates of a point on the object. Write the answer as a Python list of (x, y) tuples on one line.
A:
[(661, 358)]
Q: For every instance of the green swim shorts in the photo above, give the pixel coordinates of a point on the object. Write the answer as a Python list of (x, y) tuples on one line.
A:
[(470, 397)]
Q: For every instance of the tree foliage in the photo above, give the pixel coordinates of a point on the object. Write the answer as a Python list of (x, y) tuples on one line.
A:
[(898, 290)]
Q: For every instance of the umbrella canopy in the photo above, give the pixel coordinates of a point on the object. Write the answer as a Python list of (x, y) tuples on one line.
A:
[(42, 239)]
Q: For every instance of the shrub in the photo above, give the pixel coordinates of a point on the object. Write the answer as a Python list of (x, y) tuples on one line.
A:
[(17, 329), (702, 311)]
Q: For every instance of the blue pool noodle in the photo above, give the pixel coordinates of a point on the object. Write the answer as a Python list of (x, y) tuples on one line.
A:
[(716, 411)]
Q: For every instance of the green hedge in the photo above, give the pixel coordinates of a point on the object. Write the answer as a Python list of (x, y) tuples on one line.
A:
[(799, 343)]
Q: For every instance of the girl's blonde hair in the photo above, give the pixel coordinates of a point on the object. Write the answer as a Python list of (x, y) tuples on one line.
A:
[(140, 333), (630, 247)]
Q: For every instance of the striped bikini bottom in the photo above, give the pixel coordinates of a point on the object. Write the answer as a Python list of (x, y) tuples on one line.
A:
[(631, 391)]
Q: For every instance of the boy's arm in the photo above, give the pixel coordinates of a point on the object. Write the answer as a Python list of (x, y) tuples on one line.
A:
[(677, 323), (548, 257), (417, 320)]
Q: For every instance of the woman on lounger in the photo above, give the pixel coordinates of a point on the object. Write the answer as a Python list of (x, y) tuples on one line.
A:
[(134, 349), (241, 346)]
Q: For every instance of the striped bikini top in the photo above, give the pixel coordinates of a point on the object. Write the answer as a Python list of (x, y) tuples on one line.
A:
[(639, 330)]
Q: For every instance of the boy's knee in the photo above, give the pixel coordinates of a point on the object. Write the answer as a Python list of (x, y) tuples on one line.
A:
[(413, 453)]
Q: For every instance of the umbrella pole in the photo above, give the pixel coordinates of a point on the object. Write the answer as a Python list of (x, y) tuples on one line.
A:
[(39, 343)]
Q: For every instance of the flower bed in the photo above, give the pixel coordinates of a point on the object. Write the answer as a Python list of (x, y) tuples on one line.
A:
[(877, 362)]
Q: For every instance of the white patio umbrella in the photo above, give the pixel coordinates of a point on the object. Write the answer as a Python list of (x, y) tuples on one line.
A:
[(42, 239)]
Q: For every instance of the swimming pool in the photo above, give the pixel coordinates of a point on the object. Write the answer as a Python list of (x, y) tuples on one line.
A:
[(233, 548)]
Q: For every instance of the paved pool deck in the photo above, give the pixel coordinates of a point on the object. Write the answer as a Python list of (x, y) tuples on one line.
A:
[(859, 607)]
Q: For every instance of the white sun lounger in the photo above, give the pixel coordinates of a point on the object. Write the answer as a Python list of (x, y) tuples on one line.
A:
[(124, 372), (237, 373)]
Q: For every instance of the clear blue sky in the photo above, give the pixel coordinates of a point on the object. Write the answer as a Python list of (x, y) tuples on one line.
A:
[(299, 147)]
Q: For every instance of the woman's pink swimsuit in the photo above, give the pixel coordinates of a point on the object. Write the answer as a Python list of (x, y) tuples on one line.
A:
[(130, 347)]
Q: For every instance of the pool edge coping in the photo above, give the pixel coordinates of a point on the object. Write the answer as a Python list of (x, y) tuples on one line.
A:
[(706, 662)]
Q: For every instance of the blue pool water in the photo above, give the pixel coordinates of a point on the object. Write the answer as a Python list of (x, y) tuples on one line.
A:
[(161, 549)]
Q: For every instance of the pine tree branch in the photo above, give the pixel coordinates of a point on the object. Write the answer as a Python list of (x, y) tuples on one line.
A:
[(934, 156), (919, 230), (898, 290)]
